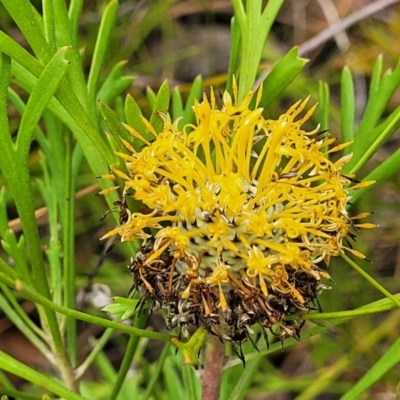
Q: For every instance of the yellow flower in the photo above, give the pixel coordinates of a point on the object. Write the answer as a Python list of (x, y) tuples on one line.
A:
[(242, 211)]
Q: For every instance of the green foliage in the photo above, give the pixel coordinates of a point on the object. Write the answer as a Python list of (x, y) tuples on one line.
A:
[(56, 96)]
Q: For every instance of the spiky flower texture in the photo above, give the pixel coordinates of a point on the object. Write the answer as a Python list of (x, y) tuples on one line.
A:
[(241, 212)]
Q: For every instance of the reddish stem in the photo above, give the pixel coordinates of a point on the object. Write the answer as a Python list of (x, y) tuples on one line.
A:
[(212, 374)]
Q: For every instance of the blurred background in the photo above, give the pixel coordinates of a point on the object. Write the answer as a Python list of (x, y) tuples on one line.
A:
[(179, 40)]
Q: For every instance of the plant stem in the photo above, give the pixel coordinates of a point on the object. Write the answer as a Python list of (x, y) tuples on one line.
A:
[(212, 375)]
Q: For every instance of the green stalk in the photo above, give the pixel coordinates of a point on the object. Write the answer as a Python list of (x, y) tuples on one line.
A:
[(24, 328), (68, 205), (371, 280), (140, 322), (94, 353), (17, 368), (31, 294), (10, 296)]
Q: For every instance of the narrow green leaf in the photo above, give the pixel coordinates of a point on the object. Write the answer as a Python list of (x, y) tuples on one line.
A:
[(234, 53), (324, 103), (366, 137), (139, 322), (5, 135), (370, 279), (19, 105), (103, 38), (111, 80), (382, 172), (390, 358), (151, 97), (43, 91), (376, 75), (19, 54), (347, 109), (7, 270), (283, 73), (114, 125), (74, 13), (156, 375), (22, 327), (31, 294), (380, 133), (23, 14), (76, 78), (378, 101), (191, 383), (177, 104), (13, 247), (71, 113), (134, 118), (17, 368), (246, 377), (18, 394), (49, 29), (160, 108), (194, 94), (173, 381), (118, 87), (255, 30)]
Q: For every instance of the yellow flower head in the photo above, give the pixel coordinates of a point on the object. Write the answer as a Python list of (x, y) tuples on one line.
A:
[(242, 211)]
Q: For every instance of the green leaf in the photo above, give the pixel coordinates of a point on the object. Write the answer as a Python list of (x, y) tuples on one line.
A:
[(382, 172), (22, 326), (283, 73), (177, 104), (191, 383), (234, 53), (115, 84), (380, 133), (76, 78), (123, 306), (13, 247), (390, 358), (194, 94), (115, 127), (23, 14), (70, 112), (157, 373), (160, 108), (103, 38), (48, 22), (254, 29), (151, 97), (5, 135), (376, 75), (134, 118), (347, 109), (17, 368), (43, 91), (367, 139), (246, 377), (19, 54), (324, 102), (16, 394)]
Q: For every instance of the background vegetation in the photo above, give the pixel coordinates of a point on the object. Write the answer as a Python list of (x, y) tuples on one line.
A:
[(141, 44)]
